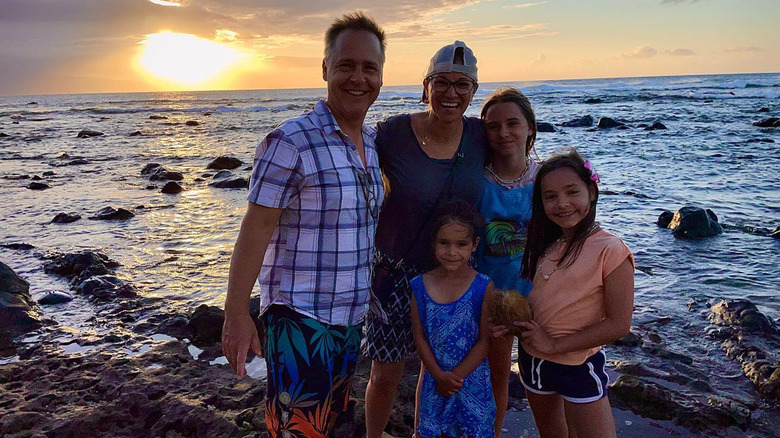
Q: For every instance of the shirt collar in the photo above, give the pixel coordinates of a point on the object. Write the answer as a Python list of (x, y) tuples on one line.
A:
[(329, 123)]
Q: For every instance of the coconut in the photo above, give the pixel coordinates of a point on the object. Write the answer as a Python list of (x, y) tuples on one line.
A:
[(509, 306)]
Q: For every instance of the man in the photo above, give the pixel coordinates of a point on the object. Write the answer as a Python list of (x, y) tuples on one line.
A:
[(307, 237)]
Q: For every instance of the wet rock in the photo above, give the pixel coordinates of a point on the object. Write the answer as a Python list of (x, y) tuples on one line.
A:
[(630, 340), (86, 133), (136, 133), (653, 400), (749, 229), (175, 326), (655, 126), (581, 122), (78, 162), (763, 110), (149, 168), (65, 218), (223, 174), (205, 324), (545, 127), (17, 313), (172, 188), (694, 223), (38, 186), (76, 264), (49, 173), (156, 117), (156, 172), (56, 297), (36, 178), (105, 287), (760, 140), (225, 162), (3, 135), (231, 183), (18, 246), (742, 315), (664, 219), (771, 122), (607, 123), (191, 123), (593, 100), (110, 213)]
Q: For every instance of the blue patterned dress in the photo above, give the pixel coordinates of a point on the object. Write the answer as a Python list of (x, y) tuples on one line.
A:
[(452, 330)]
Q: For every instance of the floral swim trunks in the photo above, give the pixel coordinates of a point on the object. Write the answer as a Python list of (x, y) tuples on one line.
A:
[(310, 368)]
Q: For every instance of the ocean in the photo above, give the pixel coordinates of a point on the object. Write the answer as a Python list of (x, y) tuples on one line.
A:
[(177, 247)]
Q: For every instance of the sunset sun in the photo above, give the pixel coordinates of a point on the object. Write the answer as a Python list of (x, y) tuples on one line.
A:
[(184, 59)]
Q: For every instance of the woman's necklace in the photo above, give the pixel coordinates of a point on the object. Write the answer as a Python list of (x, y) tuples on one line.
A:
[(508, 183), (549, 250)]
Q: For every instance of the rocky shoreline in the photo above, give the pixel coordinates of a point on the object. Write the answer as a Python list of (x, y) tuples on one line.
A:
[(153, 373)]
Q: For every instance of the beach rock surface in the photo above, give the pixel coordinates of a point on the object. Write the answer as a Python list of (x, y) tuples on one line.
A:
[(86, 133), (694, 223), (655, 126), (111, 214), (581, 122), (225, 162), (56, 297), (770, 122), (227, 180), (545, 127), (65, 218), (172, 187), (17, 308), (607, 123)]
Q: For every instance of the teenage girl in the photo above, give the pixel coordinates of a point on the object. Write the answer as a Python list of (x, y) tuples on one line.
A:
[(449, 322), (582, 298)]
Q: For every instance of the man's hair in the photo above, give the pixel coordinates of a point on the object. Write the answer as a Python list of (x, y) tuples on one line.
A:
[(355, 21)]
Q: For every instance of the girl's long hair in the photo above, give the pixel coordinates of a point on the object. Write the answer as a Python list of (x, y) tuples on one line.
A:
[(542, 232)]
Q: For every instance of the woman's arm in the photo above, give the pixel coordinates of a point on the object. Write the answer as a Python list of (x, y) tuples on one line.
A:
[(619, 304), (480, 348), (447, 382)]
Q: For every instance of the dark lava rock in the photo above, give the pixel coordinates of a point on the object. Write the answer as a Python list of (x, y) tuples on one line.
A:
[(175, 326), (162, 393), (224, 162), (205, 324), (17, 314), (629, 340), (105, 287), (172, 188), (156, 117), (65, 218), (165, 175), (594, 100), (743, 314), (136, 133), (771, 122), (653, 400), (664, 219), (75, 264), (85, 133), (231, 183), (149, 168), (49, 173), (3, 135), (655, 126), (56, 297), (694, 223), (581, 122), (36, 178), (223, 174), (775, 233), (763, 110), (191, 123), (110, 213), (78, 162), (38, 186), (18, 246), (607, 123), (545, 127)]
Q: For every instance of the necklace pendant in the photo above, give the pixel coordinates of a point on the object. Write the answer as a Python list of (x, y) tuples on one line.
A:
[(545, 277)]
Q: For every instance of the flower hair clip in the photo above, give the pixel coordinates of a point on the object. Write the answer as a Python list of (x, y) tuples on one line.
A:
[(593, 175)]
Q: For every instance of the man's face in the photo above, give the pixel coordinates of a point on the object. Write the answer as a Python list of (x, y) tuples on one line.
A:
[(353, 71)]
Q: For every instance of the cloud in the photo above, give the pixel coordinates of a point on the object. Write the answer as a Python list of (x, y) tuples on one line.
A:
[(523, 5), (225, 35), (641, 52), (541, 59), (743, 49), (177, 4), (680, 52)]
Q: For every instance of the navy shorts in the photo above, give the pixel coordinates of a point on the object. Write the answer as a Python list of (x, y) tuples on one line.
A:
[(575, 383)]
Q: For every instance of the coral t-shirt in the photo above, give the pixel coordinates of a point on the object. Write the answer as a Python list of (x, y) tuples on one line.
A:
[(572, 299)]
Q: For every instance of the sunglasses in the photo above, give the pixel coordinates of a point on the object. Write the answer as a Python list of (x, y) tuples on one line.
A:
[(367, 185)]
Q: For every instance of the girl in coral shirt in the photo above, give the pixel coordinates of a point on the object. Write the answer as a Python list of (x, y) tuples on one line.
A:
[(582, 298)]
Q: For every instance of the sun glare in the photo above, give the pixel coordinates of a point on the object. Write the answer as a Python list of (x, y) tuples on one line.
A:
[(185, 59)]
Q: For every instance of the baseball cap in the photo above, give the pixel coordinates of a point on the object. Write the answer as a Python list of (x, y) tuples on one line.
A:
[(444, 61)]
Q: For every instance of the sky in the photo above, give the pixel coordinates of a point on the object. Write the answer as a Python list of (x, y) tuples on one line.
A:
[(98, 46)]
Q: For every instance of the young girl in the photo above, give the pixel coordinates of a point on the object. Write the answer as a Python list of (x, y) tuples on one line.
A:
[(582, 298), (449, 322)]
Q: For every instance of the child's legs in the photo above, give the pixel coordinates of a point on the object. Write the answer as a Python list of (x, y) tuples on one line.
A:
[(500, 361), (549, 414), (592, 419)]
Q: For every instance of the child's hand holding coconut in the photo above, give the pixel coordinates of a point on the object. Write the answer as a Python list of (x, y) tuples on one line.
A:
[(507, 308)]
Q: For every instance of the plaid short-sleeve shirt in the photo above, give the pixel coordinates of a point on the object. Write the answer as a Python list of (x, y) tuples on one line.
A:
[(318, 261)]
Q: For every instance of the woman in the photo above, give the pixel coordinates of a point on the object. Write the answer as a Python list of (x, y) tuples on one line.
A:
[(427, 157), (510, 125)]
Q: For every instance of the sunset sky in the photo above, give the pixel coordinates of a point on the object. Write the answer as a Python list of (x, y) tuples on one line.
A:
[(86, 46)]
